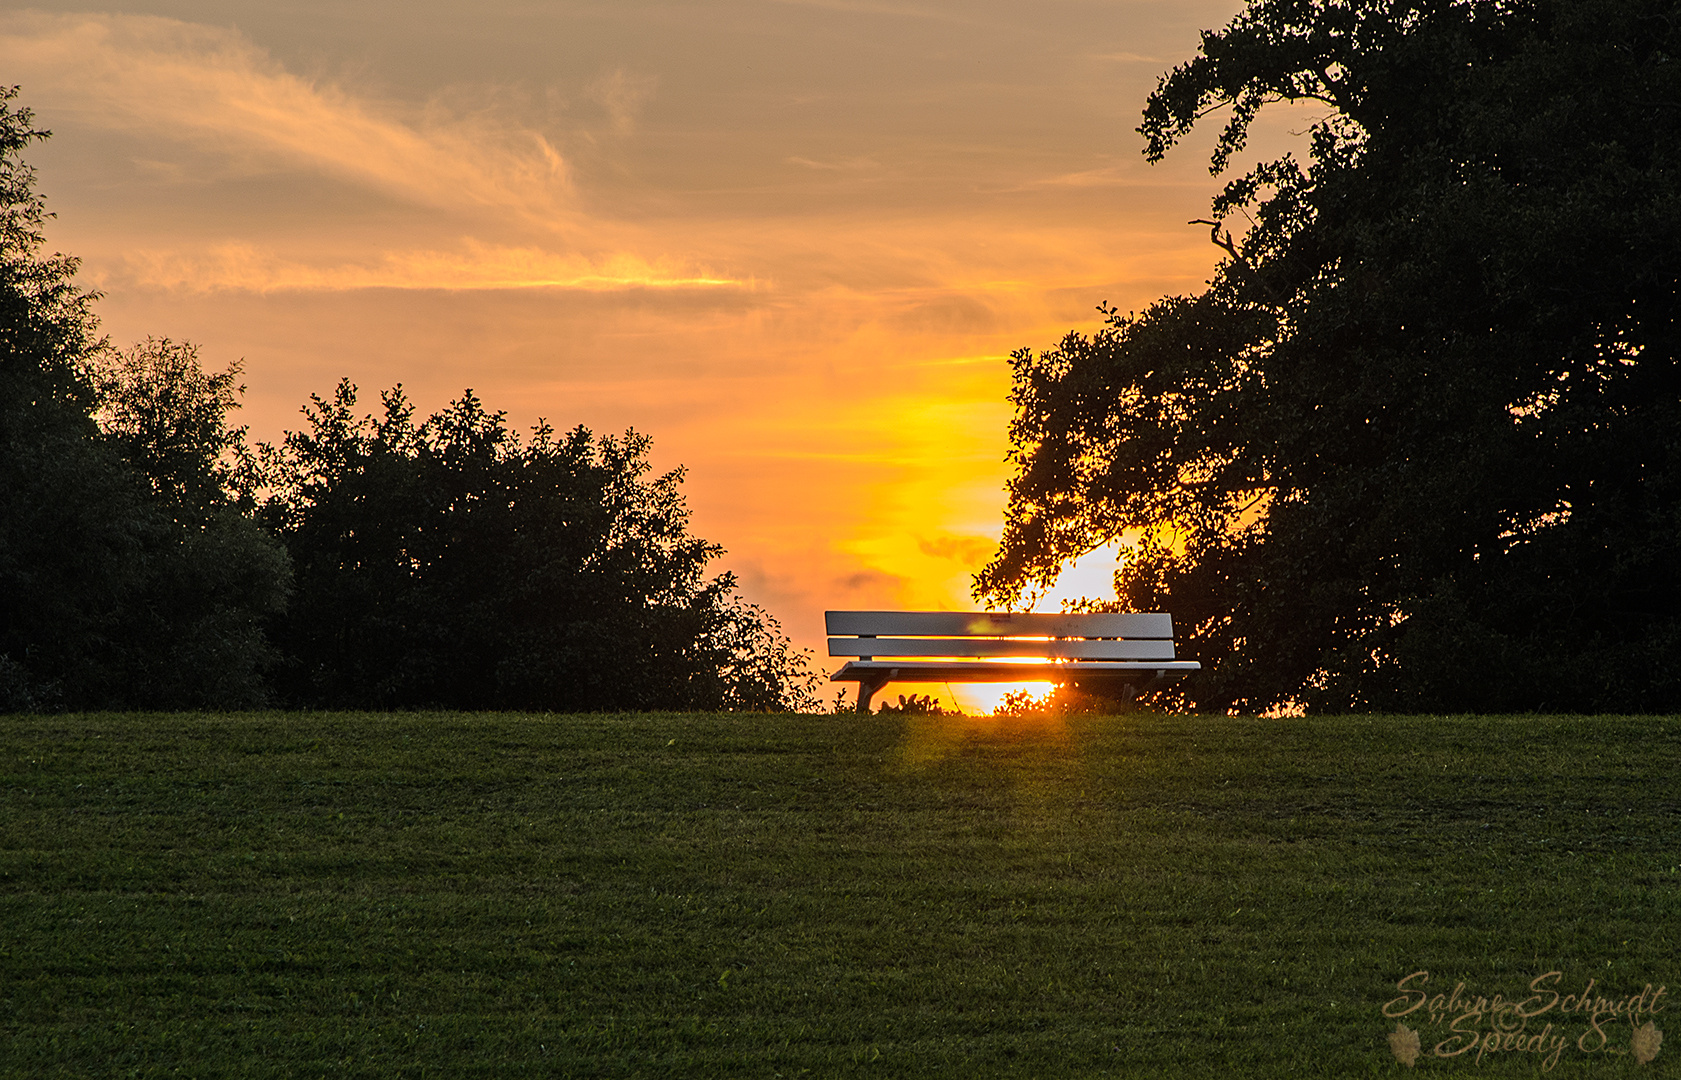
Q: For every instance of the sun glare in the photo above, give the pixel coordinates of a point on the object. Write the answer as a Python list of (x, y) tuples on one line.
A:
[(980, 699), (1089, 577)]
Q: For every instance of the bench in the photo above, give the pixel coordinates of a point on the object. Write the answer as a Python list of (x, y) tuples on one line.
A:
[(1129, 652)]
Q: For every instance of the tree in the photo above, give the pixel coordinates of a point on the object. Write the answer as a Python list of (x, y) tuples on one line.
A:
[(448, 563), (219, 575), (1418, 445), (111, 595), (169, 418)]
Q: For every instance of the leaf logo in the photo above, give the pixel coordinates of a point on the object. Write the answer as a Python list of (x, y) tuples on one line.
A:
[(1647, 1039), (1403, 1043)]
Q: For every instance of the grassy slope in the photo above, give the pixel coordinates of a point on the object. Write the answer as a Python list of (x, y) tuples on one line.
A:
[(687, 896)]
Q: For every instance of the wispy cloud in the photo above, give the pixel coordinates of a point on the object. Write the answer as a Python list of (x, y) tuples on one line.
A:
[(622, 94), (1109, 176), (855, 164), (246, 268), (875, 7), (210, 86)]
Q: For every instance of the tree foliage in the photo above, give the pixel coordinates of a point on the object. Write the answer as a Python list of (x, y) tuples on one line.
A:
[(1418, 445), (112, 594), (449, 563), (169, 417)]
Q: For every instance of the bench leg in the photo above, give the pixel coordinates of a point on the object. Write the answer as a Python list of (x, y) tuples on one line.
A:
[(867, 688), (1151, 684)]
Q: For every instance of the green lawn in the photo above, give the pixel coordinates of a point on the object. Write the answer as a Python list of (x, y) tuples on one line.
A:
[(504, 895)]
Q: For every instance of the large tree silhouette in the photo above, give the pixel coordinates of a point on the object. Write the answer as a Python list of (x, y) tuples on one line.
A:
[(1418, 445)]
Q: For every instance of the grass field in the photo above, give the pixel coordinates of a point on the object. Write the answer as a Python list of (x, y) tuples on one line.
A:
[(500, 895)]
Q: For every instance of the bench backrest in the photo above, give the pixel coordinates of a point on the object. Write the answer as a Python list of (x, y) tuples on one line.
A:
[(963, 634)]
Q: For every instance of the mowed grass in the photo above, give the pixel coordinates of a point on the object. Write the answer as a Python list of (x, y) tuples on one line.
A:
[(502, 895)]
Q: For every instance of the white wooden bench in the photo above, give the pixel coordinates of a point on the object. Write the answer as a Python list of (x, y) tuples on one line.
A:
[(1126, 651)]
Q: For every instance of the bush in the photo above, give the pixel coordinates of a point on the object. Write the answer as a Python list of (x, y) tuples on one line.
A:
[(450, 563)]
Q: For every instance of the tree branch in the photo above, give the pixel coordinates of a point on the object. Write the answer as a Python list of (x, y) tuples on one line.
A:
[(1223, 240)]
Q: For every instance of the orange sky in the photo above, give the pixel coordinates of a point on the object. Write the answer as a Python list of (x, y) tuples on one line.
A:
[(793, 240)]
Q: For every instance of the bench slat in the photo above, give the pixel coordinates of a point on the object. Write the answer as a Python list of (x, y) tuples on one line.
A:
[(987, 671), (1066, 649), (1130, 624)]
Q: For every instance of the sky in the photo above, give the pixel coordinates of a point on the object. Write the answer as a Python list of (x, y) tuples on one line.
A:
[(792, 240)]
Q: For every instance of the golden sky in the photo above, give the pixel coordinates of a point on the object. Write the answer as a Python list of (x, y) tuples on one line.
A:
[(793, 240)]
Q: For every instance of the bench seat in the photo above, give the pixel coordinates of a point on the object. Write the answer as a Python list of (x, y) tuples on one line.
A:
[(1130, 651)]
